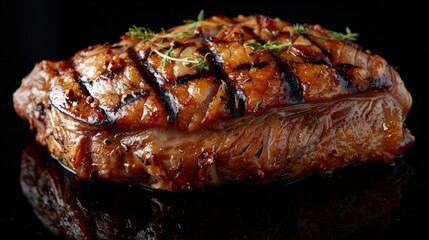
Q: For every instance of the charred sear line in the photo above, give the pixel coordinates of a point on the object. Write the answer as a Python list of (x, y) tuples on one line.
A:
[(379, 83), (84, 84), (111, 74), (292, 84), (345, 78), (248, 66), (108, 120), (185, 78), (150, 76), (325, 52), (244, 66), (132, 97), (169, 105), (249, 30), (217, 69), (260, 65)]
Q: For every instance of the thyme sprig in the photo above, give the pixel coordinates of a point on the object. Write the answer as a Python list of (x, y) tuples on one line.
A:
[(197, 62), (168, 53), (193, 22), (275, 46), (200, 21), (347, 36), (140, 32), (332, 35), (173, 35), (146, 33), (301, 29)]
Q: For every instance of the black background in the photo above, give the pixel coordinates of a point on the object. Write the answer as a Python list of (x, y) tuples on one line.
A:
[(35, 30)]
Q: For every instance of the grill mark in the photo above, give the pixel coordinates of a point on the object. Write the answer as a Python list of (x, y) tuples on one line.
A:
[(131, 98), (109, 75), (292, 83), (236, 98), (378, 83), (344, 77), (217, 69), (185, 78), (84, 85), (201, 74), (245, 66), (232, 90), (248, 66), (155, 81), (249, 31), (326, 53)]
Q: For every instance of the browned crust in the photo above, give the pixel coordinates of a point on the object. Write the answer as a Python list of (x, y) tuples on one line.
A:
[(249, 118)]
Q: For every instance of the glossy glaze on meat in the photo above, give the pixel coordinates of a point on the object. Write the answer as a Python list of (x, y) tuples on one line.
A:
[(125, 113)]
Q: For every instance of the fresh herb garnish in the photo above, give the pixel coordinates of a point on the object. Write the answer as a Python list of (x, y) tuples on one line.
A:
[(197, 63), (274, 46), (146, 33), (163, 34), (140, 32), (347, 36), (332, 35), (302, 30), (174, 36), (202, 63), (168, 53), (194, 23)]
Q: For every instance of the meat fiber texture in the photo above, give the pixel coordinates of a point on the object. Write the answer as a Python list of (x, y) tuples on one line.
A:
[(247, 100)]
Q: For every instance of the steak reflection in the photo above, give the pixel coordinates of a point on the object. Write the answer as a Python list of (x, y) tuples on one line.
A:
[(352, 202)]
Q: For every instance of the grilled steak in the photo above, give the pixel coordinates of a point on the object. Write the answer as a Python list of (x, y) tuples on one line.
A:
[(248, 99)]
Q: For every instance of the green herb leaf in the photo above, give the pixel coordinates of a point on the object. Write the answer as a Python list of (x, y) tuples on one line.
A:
[(163, 35), (275, 46), (198, 63), (255, 46), (174, 36), (200, 17), (202, 63), (168, 53), (332, 35), (341, 36), (301, 29), (140, 32)]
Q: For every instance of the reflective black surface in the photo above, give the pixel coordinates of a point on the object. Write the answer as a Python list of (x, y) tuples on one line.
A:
[(343, 206), (367, 202)]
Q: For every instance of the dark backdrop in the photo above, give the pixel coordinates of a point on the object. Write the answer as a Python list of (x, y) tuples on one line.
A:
[(35, 30)]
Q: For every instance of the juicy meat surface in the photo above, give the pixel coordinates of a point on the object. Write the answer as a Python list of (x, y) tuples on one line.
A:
[(214, 102)]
